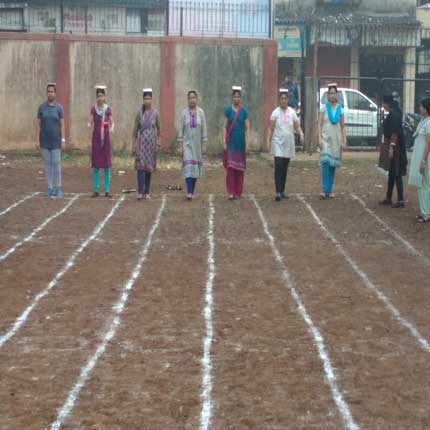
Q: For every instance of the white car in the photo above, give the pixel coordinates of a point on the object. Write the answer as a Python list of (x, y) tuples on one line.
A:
[(361, 115)]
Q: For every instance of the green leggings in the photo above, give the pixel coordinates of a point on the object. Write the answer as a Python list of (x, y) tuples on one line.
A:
[(96, 179), (424, 198)]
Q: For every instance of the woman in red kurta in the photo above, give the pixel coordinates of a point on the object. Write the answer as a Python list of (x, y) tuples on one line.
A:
[(102, 122)]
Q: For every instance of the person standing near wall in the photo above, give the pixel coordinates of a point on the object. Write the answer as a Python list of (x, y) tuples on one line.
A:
[(419, 174), (393, 156), (235, 143), (293, 90), (280, 141), (145, 142), (192, 137), (101, 121), (332, 138), (51, 138)]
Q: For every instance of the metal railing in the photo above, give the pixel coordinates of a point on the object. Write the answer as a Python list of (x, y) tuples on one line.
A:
[(220, 19), (139, 17)]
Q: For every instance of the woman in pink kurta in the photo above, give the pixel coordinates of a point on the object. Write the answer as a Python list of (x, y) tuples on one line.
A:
[(101, 121)]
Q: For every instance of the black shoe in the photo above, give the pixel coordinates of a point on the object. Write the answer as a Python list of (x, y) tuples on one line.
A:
[(278, 197), (95, 194), (398, 205), (108, 195), (284, 196)]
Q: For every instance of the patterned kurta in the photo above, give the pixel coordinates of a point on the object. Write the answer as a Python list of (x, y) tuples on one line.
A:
[(192, 134), (145, 132)]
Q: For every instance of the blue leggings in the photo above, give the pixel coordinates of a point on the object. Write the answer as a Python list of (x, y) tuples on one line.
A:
[(143, 181), (328, 173), (96, 179), (191, 185)]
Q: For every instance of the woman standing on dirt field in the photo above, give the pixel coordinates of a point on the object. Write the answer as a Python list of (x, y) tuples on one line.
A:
[(332, 138), (393, 156), (235, 144), (419, 175), (192, 137), (51, 139), (102, 122), (145, 143), (280, 141)]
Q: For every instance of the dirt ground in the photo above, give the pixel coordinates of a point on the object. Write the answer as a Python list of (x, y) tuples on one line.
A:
[(363, 290)]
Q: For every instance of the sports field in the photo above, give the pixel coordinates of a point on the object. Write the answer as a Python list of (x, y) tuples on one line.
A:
[(117, 314)]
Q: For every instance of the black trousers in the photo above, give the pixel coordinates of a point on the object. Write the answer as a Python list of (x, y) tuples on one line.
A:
[(281, 170), (396, 180)]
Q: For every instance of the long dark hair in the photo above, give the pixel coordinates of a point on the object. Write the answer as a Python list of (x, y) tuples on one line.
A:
[(425, 103)]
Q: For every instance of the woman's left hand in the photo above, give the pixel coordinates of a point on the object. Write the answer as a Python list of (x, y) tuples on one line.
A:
[(422, 167)]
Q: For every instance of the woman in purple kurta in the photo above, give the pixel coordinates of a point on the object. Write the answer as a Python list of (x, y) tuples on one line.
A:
[(145, 135), (102, 122)]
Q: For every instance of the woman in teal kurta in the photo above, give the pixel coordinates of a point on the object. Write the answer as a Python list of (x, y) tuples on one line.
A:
[(236, 144), (419, 174)]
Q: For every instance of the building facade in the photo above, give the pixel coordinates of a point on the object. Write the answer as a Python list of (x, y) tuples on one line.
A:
[(355, 39), (231, 18)]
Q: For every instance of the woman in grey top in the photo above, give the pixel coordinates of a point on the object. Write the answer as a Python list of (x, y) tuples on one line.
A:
[(192, 135), (51, 139)]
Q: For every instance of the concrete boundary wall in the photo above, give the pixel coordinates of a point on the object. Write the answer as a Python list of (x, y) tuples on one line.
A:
[(170, 65)]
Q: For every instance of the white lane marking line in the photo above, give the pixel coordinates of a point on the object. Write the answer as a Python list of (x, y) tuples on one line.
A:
[(206, 395), (37, 230), (367, 282), (19, 322), (330, 374), (397, 235), (29, 196), (117, 309)]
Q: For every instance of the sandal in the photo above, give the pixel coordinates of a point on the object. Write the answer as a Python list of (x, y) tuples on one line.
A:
[(95, 194), (385, 202), (423, 220)]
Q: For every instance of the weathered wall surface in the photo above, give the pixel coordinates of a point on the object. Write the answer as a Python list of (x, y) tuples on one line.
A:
[(171, 66), (25, 68), (212, 70), (125, 69)]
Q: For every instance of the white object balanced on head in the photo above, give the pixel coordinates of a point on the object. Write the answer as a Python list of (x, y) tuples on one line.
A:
[(147, 90), (100, 87), (236, 88), (283, 91)]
